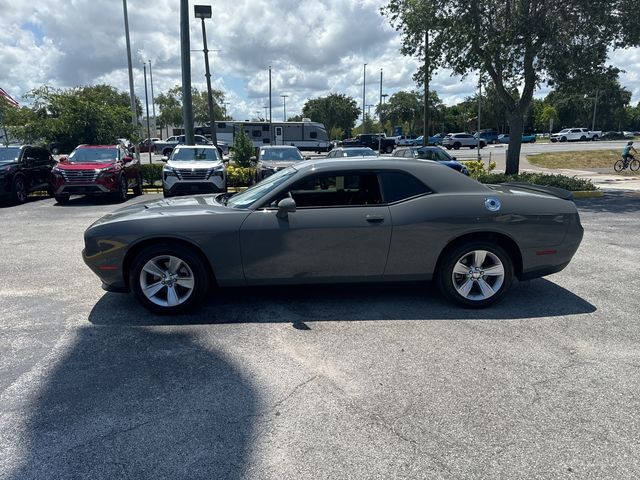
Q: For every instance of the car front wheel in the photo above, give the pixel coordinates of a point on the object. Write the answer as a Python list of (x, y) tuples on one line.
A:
[(166, 279), (475, 274), (137, 190), (19, 190)]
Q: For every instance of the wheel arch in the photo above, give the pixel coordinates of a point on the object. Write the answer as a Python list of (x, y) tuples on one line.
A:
[(506, 242), (138, 247)]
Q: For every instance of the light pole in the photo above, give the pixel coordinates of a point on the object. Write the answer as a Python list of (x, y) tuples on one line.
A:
[(153, 101), (225, 109), (202, 12), (364, 91), (146, 100), (284, 107), (265, 112), (185, 44), (132, 95), (479, 103), (270, 126)]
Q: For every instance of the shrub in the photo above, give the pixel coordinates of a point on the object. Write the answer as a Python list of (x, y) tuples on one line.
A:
[(560, 181), (476, 167), (240, 176), (151, 173), (242, 148)]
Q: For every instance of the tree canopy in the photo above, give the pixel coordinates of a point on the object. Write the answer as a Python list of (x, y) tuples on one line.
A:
[(518, 44), (334, 111), (170, 106)]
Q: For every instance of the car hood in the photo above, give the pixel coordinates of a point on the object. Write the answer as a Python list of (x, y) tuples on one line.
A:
[(196, 164), (170, 208), (279, 164), (84, 165)]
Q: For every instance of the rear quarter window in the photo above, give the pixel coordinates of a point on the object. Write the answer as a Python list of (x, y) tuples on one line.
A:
[(397, 186)]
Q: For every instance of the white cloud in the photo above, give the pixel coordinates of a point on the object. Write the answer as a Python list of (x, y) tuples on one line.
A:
[(315, 47)]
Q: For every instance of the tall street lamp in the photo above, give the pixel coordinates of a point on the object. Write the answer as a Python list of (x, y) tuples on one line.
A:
[(202, 12), (284, 106), (132, 95), (187, 101), (364, 90), (153, 102), (146, 100)]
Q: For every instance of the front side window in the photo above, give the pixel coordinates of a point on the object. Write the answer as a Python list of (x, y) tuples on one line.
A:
[(399, 186), (336, 190)]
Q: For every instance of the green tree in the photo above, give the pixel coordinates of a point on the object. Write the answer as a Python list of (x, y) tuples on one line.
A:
[(518, 43), (97, 114), (170, 106), (242, 148), (334, 111)]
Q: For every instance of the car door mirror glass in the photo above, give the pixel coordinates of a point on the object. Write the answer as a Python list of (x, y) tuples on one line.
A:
[(285, 207)]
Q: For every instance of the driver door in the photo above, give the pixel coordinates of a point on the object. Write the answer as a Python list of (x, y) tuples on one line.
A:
[(340, 232)]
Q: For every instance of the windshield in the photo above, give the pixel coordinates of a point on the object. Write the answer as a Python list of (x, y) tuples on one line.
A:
[(265, 187), (182, 154), (432, 154), (280, 154), (94, 155), (359, 152), (9, 154)]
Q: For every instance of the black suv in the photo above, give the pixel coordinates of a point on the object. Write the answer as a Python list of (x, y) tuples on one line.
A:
[(24, 169)]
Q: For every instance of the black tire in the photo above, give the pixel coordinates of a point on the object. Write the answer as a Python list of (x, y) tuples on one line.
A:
[(196, 271), (137, 190), (388, 149), (583, 138), (554, 140), (619, 166), (19, 191), (166, 194), (563, 139), (594, 138), (62, 199), (634, 164), (123, 188), (448, 147), (471, 147), (533, 140), (456, 146), (445, 274), (167, 152)]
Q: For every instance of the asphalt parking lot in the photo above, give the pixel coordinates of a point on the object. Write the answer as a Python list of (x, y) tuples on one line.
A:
[(384, 381)]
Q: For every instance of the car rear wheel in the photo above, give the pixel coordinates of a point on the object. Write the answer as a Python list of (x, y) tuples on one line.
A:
[(166, 279), (19, 190), (475, 274), (456, 146), (389, 149), (563, 139), (583, 138)]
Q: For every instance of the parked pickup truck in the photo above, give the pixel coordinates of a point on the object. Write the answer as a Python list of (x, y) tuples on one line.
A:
[(371, 140), (575, 135)]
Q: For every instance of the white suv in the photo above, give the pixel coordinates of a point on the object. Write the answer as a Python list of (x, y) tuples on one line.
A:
[(193, 169), (457, 140)]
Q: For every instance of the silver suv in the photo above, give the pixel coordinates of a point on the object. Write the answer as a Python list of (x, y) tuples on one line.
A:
[(193, 169), (457, 140)]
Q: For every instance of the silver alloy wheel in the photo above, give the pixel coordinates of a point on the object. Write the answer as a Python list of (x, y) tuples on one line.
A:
[(478, 275), (20, 190), (167, 281)]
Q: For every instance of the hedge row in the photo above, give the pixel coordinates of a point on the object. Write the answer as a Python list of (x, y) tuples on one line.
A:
[(236, 176), (572, 184), (243, 177)]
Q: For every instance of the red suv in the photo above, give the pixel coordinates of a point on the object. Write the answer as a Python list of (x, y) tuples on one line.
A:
[(96, 170)]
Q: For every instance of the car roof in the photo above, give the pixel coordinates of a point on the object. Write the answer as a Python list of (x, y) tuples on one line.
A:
[(97, 146), (278, 146), (199, 147), (439, 177)]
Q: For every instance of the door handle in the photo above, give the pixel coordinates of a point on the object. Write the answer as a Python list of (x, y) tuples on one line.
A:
[(375, 218)]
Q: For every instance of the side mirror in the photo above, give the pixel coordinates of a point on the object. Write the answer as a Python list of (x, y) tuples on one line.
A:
[(165, 159), (285, 207), (127, 159), (253, 159), (454, 158), (63, 159)]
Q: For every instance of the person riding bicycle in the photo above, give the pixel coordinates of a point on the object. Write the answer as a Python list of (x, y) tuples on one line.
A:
[(627, 156)]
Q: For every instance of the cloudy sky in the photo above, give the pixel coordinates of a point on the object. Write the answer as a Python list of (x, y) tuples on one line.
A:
[(314, 47)]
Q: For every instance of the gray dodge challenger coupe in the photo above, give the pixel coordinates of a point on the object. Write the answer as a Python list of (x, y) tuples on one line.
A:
[(338, 221)]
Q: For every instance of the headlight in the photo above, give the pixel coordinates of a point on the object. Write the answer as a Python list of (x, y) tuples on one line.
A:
[(168, 172), (266, 166)]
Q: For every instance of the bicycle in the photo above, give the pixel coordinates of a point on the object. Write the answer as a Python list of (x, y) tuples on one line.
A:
[(624, 163)]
